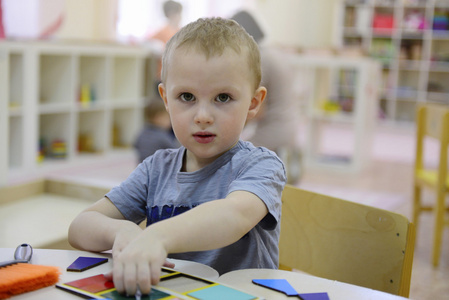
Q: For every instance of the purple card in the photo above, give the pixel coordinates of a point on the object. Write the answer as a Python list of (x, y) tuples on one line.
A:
[(83, 263)]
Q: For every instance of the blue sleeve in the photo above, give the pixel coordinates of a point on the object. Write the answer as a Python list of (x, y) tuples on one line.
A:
[(130, 197), (263, 174)]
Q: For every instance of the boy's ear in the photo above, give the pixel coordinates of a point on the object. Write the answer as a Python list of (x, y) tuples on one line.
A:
[(163, 94), (256, 102)]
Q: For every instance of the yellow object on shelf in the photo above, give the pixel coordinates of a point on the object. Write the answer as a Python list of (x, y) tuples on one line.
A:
[(331, 106), (85, 95)]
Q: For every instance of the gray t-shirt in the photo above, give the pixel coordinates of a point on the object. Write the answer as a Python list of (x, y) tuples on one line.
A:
[(157, 190)]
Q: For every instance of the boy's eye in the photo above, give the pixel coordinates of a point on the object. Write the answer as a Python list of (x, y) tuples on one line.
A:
[(187, 97), (223, 98)]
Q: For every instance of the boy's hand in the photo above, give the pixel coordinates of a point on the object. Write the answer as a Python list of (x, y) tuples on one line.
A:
[(138, 263), (124, 236)]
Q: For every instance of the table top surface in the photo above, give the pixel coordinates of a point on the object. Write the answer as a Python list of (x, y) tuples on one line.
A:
[(241, 279), (302, 283), (63, 258)]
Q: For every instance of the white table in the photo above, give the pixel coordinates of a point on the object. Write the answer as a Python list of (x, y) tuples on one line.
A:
[(302, 283), (63, 258)]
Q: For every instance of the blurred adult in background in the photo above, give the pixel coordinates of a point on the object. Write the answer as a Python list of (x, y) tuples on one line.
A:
[(276, 124), (173, 13)]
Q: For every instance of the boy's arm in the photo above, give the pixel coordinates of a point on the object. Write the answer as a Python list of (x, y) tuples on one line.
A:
[(213, 224), (96, 228), (208, 226)]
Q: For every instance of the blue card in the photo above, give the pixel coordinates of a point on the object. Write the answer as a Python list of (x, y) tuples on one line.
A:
[(220, 292), (280, 285), (83, 263), (283, 286)]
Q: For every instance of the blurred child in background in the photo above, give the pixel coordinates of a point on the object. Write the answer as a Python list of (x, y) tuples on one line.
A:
[(156, 133)]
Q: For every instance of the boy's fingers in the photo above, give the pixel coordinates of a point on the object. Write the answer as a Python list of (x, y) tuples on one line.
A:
[(130, 279), (118, 277), (143, 278), (169, 264), (155, 273)]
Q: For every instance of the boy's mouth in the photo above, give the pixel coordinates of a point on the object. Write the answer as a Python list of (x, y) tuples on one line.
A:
[(204, 137)]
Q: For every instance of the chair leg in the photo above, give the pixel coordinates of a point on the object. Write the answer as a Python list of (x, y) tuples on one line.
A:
[(438, 230), (416, 205)]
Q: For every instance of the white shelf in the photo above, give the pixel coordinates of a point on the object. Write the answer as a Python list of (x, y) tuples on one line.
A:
[(71, 93), (415, 60), (342, 92)]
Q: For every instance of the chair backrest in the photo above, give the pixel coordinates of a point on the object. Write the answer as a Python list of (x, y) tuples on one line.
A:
[(432, 120), (346, 241)]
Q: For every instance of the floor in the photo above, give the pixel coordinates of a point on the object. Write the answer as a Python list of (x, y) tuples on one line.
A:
[(386, 182)]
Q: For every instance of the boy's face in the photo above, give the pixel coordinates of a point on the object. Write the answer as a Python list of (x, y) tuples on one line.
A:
[(209, 101)]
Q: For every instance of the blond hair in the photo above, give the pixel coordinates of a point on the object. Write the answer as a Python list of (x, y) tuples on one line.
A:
[(211, 37)]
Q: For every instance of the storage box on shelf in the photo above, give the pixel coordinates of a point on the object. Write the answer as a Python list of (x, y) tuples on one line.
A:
[(66, 99), (411, 39), (342, 94)]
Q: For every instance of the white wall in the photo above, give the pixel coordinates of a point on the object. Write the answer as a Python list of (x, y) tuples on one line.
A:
[(299, 23), (89, 20), (296, 23)]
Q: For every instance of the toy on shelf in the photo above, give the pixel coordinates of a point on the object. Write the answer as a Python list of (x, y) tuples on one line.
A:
[(440, 21), (415, 21), (86, 95), (58, 148), (42, 150), (86, 143), (383, 23)]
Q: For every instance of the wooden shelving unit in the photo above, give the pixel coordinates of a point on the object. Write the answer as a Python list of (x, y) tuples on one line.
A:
[(60, 100), (411, 40)]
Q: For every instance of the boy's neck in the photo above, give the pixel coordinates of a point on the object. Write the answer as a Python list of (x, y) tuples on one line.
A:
[(191, 164)]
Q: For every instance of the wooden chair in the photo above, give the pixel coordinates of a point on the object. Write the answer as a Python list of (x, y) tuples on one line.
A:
[(432, 122), (346, 241)]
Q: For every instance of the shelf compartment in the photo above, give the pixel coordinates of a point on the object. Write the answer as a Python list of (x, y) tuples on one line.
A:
[(411, 50), (92, 84), (337, 95), (357, 19), (384, 50), (441, 98), (414, 20), (125, 82), (437, 82), (54, 128), (384, 21), (56, 79), (440, 51), (16, 79), (15, 143), (92, 131), (124, 131), (408, 82)]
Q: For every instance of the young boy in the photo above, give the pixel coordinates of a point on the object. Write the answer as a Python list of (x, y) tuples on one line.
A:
[(215, 200), (156, 133)]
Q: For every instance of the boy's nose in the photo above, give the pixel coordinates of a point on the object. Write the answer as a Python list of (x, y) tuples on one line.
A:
[(203, 115)]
